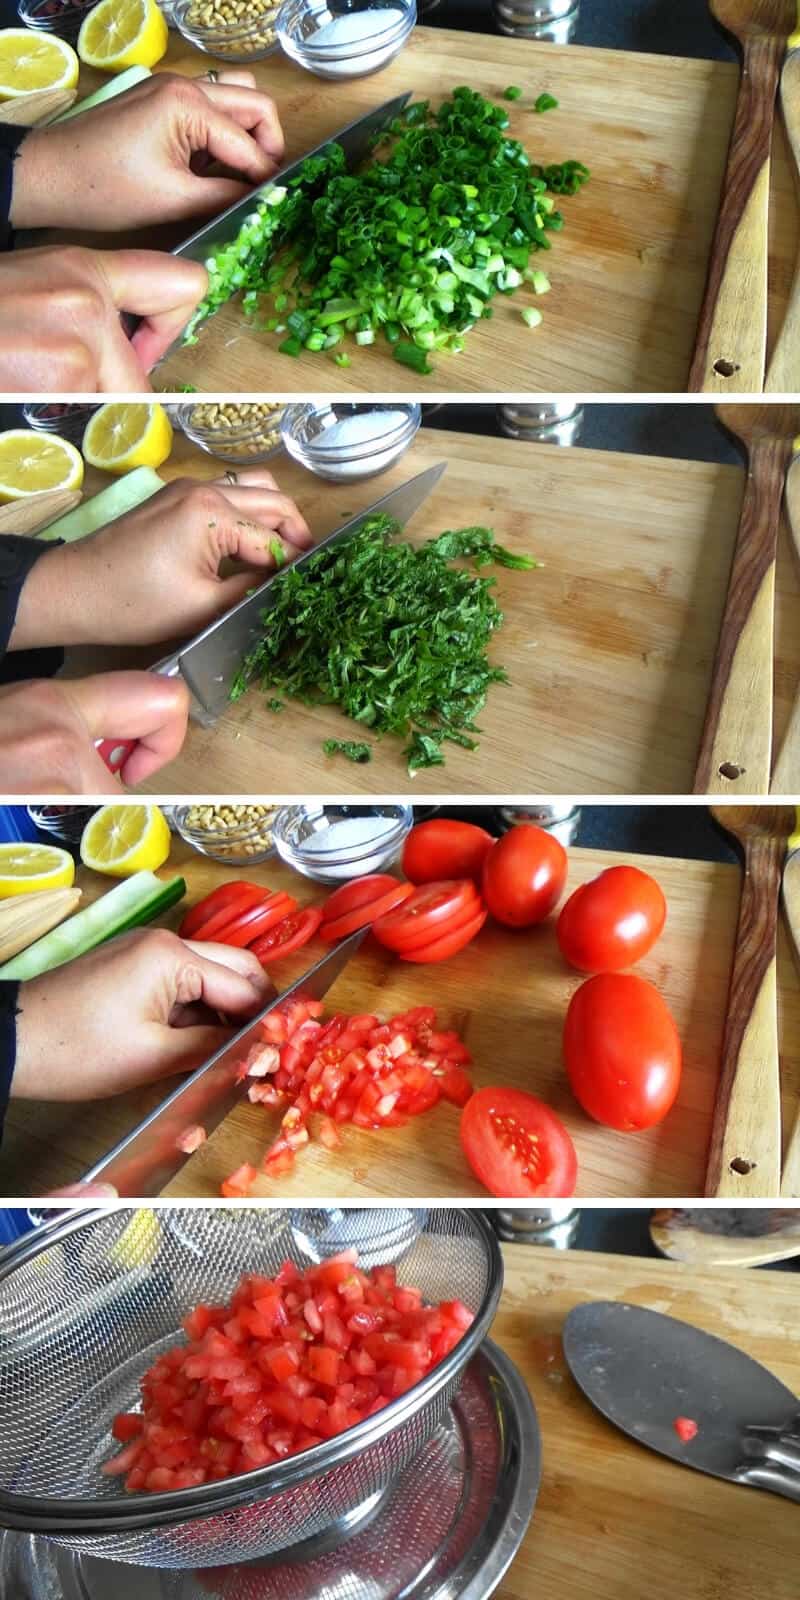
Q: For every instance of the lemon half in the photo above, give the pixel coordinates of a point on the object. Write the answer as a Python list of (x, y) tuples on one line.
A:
[(26, 868), (123, 33), (31, 61), (123, 435), (120, 840), (33, 462)]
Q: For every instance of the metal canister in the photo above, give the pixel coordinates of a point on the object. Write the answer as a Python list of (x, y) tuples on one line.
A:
[(561, 818), (552, 20), (544, 422), (552, 1226)]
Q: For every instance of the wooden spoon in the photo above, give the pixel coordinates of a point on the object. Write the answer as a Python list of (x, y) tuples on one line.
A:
[(736, 745), (722, 1238), (790, 1181), (731, 346), (744, 1160), (783, 373), (786, 774)]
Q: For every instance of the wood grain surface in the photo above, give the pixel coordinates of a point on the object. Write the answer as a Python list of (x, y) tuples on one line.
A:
[(615, 1521), (745, 1150), (783, 369), (786, 772), (609, 645), (732, 328), (628, 270), (791, 905), (508, 992), (736, 744)]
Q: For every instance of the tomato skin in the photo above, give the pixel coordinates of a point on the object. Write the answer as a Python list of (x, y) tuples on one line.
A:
[(358, 892), (613, 921), (334, 928), (255, 922), (431, 910), (449, 943), (231, 898), (524, 876), (622, 1051), (516, 1146), (442, 848)]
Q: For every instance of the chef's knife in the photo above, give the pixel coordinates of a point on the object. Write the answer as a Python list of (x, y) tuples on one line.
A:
[(643, 1370), (149, 1156), (210, 662), (356, 140)]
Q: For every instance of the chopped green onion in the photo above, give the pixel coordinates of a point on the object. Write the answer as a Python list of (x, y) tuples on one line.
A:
[(532, 316), (545, 102), (512, 92)]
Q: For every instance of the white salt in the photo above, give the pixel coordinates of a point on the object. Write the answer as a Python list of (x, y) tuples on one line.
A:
[(354, 27), (360, 426)]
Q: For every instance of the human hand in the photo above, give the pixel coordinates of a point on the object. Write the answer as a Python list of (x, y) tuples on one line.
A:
[(155, 573), (138, 1009), (48, 729), (134, 160), (60, 328)]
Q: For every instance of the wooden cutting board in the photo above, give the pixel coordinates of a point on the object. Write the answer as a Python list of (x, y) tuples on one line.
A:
[(627, 272), (615, 1521), (507, 993), (609, 646)]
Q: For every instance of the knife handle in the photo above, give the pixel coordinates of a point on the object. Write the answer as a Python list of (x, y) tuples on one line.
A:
[(115, 752), (731, 346), (768, 1476)]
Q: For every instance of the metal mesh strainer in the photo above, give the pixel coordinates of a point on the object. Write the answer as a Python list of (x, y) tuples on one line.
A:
[(88, 1303)]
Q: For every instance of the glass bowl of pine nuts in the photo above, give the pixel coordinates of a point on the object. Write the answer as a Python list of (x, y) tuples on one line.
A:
[(241, 836), (231, 30), (241, 432)]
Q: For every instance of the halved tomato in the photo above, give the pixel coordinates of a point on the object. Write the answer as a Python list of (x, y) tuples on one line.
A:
[(517, 1146), (255, 922), (229, 897), (429, 912), (362, 915), (454, 938), (358, 892), (290, 934)]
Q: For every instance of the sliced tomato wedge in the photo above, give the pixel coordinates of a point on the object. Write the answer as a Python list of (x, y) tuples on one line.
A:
[(240, 1182), (448, 943), (361, 916), (229, 897), (290, 934), (358, 892), (428, 912), (255, 922), (517, 1146)]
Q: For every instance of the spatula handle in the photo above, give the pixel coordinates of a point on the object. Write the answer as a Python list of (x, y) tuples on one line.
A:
[(731, 346), (744, 1160), (736, 745), (783, 373)]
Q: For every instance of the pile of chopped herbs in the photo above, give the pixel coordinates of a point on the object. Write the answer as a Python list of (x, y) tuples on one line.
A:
[(415, 247), (389, 633)]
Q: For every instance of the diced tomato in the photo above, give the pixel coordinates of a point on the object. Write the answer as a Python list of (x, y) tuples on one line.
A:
[(191, 1139), (127, 1425), (240, 1182), (686, 1428)]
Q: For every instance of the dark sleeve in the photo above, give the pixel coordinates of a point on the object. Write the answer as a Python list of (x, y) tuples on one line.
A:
[(10, 140), (9, 993), (17, 556)]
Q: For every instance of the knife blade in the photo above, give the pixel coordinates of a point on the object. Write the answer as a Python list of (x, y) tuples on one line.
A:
[(210, 662), (643, 1369), (148, 1157), (356, 139)]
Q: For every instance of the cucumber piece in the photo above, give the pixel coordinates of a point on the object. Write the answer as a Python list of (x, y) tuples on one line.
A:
[(123, 495), (107, 91), (129, 904)]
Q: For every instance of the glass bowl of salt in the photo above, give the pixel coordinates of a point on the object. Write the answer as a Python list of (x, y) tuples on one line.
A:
[(345, 38), (338, 440), (336, 842)]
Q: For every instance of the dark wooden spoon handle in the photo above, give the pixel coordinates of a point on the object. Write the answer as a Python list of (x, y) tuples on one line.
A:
[(744, 1159), (731, 347), (736, 745)]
